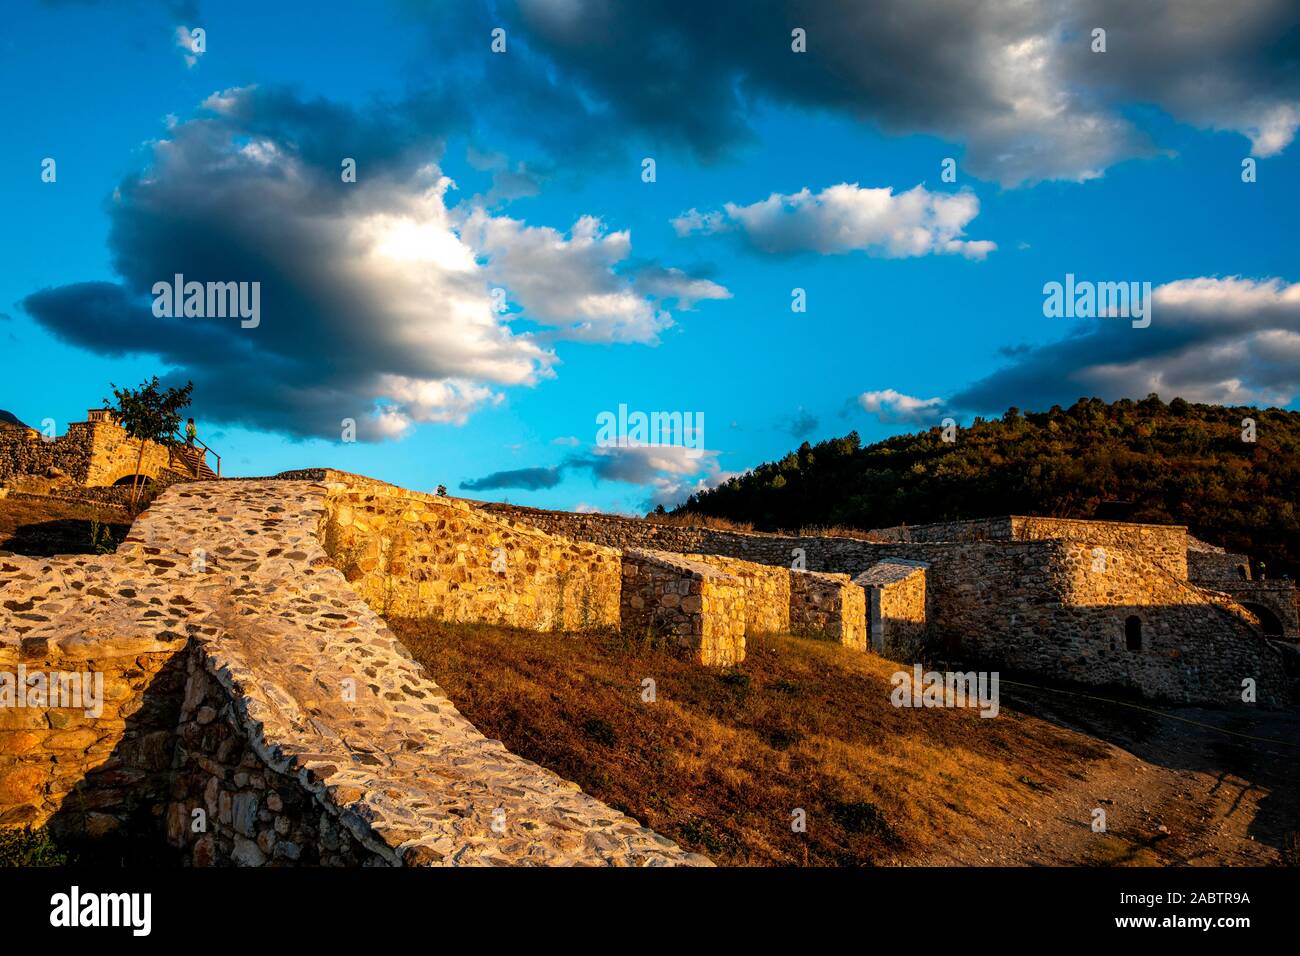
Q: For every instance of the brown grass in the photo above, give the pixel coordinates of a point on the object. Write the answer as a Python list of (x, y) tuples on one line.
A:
[(691, 520), (722, 758), (49, 526)]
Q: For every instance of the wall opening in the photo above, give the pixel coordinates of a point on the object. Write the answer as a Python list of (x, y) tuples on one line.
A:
[(1133, 633), (1269, 622)]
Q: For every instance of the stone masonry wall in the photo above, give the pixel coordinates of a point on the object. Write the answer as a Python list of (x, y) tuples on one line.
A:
[(1011, 601), (423, 556), (896, 611), (1196, 644), (90, 453), (228, 807), (832, 554), (1167, 544), (1217, 566), (700, 607), (86, 775), (767, 592), (367, 759), (828, 606)]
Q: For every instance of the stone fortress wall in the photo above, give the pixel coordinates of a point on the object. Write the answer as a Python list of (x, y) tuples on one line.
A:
[(258, 710), (93, 453), (418, 555), (262, 713), (1040, 595)]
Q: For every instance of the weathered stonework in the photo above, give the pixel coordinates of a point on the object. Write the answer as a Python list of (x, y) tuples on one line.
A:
[(700, 607), (1022, 593), (828, 606), (423, 556), (767, 592), (896, 612), (1276, 603), (93, 453), (295, 687)]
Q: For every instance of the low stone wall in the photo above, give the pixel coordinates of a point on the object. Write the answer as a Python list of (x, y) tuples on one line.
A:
[(1217, 566), (95, 767), (420, 555), (813, 552), (828, 606), (229, 807), (698, 606), (767, 592), (896, 613), (1165, 544)]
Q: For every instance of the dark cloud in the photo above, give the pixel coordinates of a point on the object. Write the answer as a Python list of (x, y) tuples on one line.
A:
[(670, 472), (1222, 340), (375, 300), (802, 424), (530, 479), (1016, 83)]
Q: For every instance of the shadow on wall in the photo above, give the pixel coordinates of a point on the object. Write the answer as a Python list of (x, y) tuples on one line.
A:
[(113, 815), (1180, 653)]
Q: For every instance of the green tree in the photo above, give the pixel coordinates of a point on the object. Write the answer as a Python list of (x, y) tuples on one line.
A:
[(148, 413)]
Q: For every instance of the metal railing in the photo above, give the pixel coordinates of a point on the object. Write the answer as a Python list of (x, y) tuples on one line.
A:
[(181, 442)]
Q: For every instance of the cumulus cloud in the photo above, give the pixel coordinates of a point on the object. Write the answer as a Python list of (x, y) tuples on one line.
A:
[(894, 407), (847, 218), (1016, 83), (573, 284), (376, 301), (1226, 340)]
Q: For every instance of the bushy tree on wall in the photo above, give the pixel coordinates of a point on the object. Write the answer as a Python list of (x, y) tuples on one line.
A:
[(148, 413)]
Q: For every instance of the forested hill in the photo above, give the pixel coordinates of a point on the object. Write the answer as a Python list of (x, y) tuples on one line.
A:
[(1178, 463)]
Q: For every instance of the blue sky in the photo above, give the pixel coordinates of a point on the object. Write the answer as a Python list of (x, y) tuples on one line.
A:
[(923, 301)]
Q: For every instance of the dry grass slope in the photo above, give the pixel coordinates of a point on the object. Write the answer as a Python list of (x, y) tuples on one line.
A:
[(721, 759)]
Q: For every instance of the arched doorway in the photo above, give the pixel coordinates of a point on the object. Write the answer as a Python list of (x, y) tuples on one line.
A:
[(1269, 622)]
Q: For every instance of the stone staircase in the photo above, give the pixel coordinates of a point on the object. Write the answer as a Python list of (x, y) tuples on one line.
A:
[(194, 461)]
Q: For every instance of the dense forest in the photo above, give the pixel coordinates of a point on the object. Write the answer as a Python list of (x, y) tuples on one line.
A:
[(1178, 463)]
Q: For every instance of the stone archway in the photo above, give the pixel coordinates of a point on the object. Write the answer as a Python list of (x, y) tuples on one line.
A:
[(1269, 622)]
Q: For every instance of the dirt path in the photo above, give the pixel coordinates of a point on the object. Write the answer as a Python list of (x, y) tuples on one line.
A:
[(1174, 793)]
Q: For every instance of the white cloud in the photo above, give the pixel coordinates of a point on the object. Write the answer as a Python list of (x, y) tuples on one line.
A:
[(894, 407), (572, 283), (187, 41), (847, 218)]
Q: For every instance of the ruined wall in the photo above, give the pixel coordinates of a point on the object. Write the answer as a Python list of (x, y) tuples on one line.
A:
[(896, 614), (828, 606), (423, 556), (113, 453), (1196, 644), (816, 553), (1165, 544), (248, 813), (767, 592), (93, 774), (698, 606), (1217, 566), (91, 453), (301, 721)]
